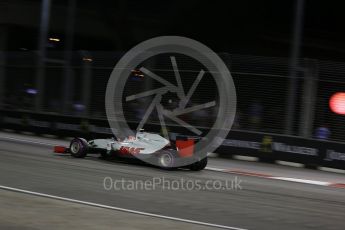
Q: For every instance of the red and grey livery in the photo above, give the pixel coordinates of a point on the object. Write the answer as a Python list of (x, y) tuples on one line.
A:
[(143, 145)]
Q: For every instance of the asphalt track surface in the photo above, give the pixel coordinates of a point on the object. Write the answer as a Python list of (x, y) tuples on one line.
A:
[(258, 203)]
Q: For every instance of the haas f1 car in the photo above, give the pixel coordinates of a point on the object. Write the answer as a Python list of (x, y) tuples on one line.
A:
[(148, 147)]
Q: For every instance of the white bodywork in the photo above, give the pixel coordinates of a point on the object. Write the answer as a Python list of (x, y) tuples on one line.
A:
[(143, 143)]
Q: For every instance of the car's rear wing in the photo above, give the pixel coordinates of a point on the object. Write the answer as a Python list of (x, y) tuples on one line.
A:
[(185, 145)]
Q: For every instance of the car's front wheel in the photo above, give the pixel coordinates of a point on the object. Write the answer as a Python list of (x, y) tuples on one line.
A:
[(78, 148)]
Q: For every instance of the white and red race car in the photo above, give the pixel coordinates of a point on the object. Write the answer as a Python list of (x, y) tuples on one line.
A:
[(149, 147)]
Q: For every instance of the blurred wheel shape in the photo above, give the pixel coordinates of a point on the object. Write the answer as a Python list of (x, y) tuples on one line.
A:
[(78, 148), (166, 159)]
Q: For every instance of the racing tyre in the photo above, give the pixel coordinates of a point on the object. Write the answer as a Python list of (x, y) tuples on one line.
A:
[(166, 160), (199, 165), (78, 148)]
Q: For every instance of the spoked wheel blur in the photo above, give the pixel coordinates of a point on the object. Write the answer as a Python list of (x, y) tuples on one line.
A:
[(78, 148), (166, 160)]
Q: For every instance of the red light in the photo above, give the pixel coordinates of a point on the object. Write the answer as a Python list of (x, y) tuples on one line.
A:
[(337, 103)]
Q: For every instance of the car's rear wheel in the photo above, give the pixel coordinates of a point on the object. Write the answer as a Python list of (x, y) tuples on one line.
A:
[(166, 160), (199, 165), (78, 147)]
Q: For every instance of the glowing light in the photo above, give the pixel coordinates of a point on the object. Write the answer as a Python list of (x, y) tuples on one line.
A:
[(31, 91), (54, 39), (87, 59), (137, 73), (337, 103)]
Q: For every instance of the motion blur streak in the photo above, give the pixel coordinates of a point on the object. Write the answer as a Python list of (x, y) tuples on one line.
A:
[(33, 167)]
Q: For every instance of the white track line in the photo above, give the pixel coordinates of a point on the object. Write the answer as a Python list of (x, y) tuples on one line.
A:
[(290, 179), (315, 182), (215, 169), (119, 209)]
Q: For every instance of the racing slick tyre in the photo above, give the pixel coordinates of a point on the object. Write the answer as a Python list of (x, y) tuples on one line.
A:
[(78, 147), (166, 159), (199, 165)]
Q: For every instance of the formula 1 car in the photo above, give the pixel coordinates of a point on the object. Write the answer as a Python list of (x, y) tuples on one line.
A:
[(148, 147)]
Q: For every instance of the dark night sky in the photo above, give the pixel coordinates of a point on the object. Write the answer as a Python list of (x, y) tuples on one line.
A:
[(245, 27)]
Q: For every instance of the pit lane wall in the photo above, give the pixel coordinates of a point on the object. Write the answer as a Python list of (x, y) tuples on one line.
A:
[(265, 146)]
